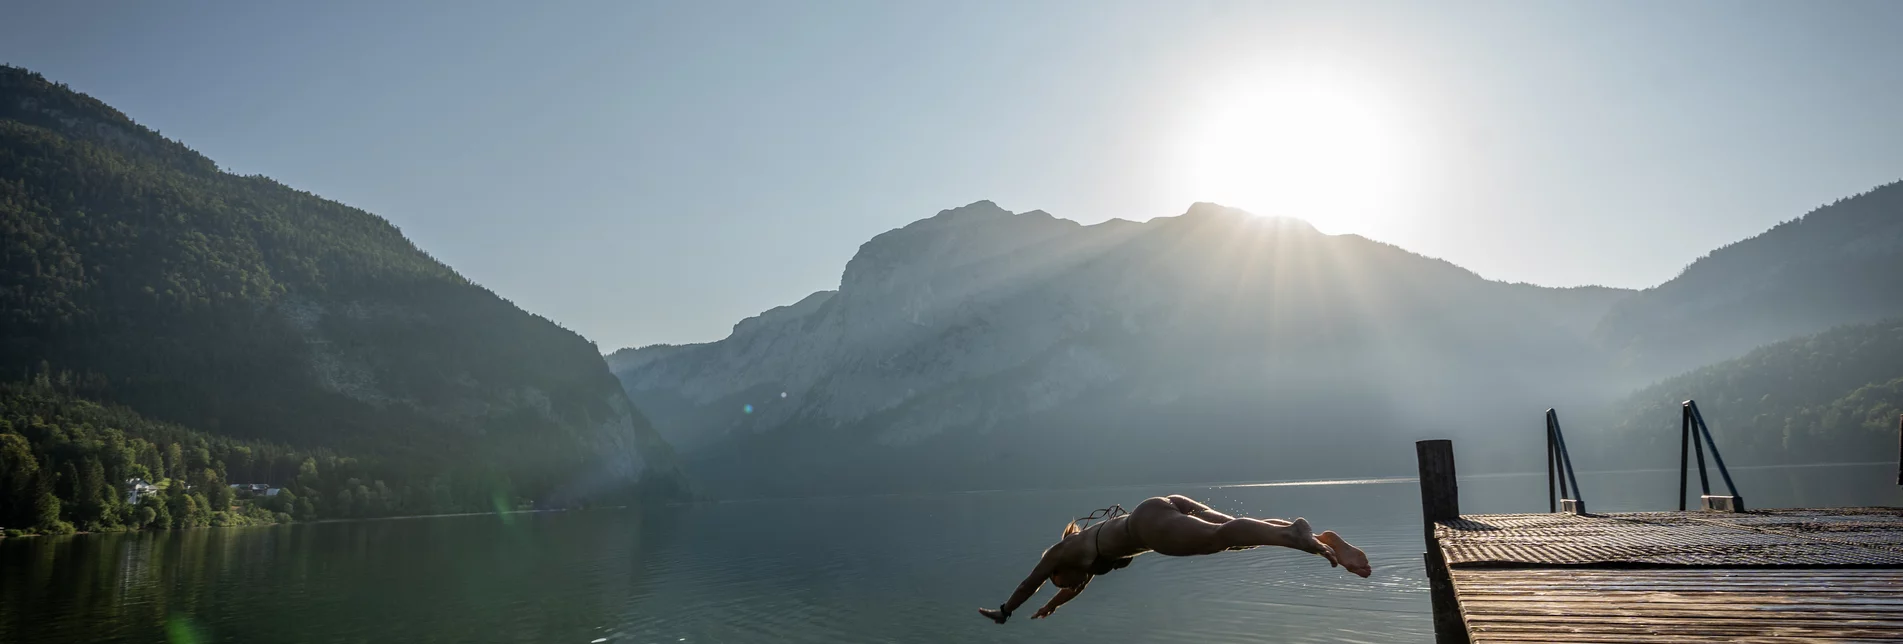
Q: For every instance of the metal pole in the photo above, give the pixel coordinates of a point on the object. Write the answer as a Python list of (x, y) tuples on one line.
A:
[(1552, 464), (1566, 457), (1559, 454), (1684, 452), (1698, 449)]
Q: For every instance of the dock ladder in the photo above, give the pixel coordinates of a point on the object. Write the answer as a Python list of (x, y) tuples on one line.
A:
[(1694, 436), (1559, 468)]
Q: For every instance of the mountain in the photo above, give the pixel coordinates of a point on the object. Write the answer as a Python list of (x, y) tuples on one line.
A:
[(138, 275), (1836, 265), (982, 348), (1831, 397)]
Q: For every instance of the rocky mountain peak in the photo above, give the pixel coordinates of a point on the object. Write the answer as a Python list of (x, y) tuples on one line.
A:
[(952, 241), (1203, 213)]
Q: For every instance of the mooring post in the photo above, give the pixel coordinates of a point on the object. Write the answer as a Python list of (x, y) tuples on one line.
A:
[(1440, 501)]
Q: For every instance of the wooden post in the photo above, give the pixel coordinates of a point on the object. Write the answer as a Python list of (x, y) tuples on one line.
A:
[(1440, 501)]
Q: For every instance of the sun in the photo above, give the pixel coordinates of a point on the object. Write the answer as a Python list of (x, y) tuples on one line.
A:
[(1313, 144)]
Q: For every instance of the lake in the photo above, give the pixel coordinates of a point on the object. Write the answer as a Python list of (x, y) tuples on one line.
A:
[(863, 569)]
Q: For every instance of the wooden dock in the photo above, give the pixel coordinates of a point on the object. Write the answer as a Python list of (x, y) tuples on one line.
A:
[(1786, 575)]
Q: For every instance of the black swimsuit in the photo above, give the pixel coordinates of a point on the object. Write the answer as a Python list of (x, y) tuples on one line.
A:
[(1101, 565)]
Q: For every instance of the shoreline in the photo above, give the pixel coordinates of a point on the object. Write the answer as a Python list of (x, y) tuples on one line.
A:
[(3, 537), (1209, 484)]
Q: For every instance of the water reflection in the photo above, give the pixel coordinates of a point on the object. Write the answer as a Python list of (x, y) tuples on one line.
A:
[(873, 569)]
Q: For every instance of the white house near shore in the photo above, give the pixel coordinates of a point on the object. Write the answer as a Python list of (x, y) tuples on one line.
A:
[(136, 487), (261, 489)]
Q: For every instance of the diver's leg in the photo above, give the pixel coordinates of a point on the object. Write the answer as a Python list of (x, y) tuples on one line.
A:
[(1248, 533), (1176, 526), (1196, 509)]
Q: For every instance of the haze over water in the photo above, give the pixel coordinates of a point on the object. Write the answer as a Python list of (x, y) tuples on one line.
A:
[(862, 569)]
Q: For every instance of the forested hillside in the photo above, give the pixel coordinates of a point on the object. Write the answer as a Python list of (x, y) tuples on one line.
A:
[(1831, 397), (1838, 264), (236, 306), (64, 462)]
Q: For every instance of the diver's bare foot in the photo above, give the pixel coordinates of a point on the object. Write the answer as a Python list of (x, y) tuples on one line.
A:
[(993, 613), (1305, 541), (1350, 557)]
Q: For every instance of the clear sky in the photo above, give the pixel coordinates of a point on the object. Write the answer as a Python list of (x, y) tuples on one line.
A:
[(648, 172)]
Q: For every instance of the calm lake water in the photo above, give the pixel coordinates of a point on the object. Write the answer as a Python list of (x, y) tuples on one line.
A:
[(872, 569)]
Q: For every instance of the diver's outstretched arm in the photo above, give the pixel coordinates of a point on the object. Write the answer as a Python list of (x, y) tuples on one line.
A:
[(1025, 589), (1064, 595)]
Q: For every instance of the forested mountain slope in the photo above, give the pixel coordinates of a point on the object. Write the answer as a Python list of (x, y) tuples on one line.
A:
[(136, 270), (1839, 264), (1835, 396)]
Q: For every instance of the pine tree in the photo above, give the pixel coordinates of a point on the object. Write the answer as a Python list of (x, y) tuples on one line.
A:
[(174, 461), (18, 469), (46, 510), (93, 496)]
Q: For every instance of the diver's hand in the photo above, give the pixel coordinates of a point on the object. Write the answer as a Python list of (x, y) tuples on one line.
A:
[(1044, 612), (993, 613)]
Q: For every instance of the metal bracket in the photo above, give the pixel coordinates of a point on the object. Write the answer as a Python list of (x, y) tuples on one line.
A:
[(1694, 437)]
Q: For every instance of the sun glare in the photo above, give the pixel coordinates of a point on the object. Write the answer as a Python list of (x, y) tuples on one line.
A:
[(1311, 145)]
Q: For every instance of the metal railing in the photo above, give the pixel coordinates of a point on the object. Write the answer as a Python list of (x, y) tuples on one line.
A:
[(1559, 469), (1694, 436)]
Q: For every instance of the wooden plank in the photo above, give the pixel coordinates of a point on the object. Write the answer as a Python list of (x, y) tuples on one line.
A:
[(1598, 638), (1560, 634), (1687, 604), (1891, 605), (1668, 638), (1851, 537), (1637, 586), (1556, 615), (1676, 573), (1705, 575), (1557, 632), (1642, 583), (1689, 628)]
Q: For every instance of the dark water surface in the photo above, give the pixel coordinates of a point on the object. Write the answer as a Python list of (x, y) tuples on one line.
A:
[(871, 569)]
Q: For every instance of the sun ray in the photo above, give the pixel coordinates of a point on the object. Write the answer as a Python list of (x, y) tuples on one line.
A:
[(1315, 144)]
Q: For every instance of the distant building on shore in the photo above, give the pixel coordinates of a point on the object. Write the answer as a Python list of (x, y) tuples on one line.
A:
[(136, 487), (259, 489), (251, 487)]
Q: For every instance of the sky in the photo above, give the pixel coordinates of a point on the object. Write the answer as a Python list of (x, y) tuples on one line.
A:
[(648, 172)]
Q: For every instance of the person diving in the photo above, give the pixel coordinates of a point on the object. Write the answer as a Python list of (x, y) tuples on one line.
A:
[(1175, 526)]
